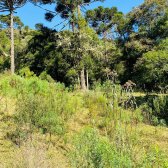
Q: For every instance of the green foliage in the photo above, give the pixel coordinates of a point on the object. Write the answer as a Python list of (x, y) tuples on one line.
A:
[(91, 150), (152, 68), (45, 76), (4, 51), (140, 32), (102, 19), (40, 113), (48, 108), (99, 101), (5, 19), (42, 56), (160, 106), (155, 110), (108, 87), (25, 72), (137, 49), (65, 8), (72, 76), (40, 105)]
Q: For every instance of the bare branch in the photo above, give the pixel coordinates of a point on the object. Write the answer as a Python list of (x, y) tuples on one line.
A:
[(60, 23)]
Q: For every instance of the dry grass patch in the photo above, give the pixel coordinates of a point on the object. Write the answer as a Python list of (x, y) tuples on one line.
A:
[(34, 154)]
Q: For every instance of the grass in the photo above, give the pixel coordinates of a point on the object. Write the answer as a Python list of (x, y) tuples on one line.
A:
[(75, 126)]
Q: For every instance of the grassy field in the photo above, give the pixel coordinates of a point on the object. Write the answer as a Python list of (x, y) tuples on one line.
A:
[(46, 125)]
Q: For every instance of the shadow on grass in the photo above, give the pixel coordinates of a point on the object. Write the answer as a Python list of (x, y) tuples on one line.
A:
[(148, 99), (140, 100)]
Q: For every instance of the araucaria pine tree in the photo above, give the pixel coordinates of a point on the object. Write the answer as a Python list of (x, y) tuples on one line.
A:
[(10, 6)]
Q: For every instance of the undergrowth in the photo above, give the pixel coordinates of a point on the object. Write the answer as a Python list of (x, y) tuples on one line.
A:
[(116, 136), (40, 105), (92, 150)]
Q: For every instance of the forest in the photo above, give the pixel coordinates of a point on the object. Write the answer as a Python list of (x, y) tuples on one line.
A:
[(91, 95)]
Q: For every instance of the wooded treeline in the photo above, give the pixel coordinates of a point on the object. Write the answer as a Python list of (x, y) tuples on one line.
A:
[(97, 42)]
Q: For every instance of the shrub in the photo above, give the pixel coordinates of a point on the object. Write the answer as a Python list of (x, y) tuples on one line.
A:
[(45, 76), (155, 111), (91, 150), (160, 106)]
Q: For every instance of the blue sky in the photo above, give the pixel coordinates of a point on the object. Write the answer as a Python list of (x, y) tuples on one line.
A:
[(30, 14)]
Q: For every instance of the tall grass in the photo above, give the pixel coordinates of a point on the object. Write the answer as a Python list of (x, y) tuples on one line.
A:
[(91, 150), (113, 138), (117, 117), (40, 105)]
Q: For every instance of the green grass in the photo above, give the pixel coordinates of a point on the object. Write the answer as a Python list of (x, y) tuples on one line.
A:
[(44, 124)]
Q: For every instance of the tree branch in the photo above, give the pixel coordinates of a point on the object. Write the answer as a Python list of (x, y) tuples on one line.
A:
[(48, 10), (90, 2), (60, 23)]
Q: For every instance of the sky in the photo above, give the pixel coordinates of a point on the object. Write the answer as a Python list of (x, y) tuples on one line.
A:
[(30, 14)]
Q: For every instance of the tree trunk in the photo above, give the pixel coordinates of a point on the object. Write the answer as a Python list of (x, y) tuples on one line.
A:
[(12, 46), (78, 82), (73, 27), (78, 11), (87, 80), (106, 59), (83, 85), (9, 32)]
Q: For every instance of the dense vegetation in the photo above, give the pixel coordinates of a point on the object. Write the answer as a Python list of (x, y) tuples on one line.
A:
[(134, 45), (47, 121), (92, 129)]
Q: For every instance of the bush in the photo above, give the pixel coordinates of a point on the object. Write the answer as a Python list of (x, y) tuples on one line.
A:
[(90, 150), (40, 105), (93, 151), (155, 111), (160, 106), (45, 76)]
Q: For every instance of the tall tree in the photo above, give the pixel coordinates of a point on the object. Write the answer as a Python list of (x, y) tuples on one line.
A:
[(152, 69), (91, 48), (102, 20), (10, 6), (5, 20), (67, 9), (139, 32), (4, 50)]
